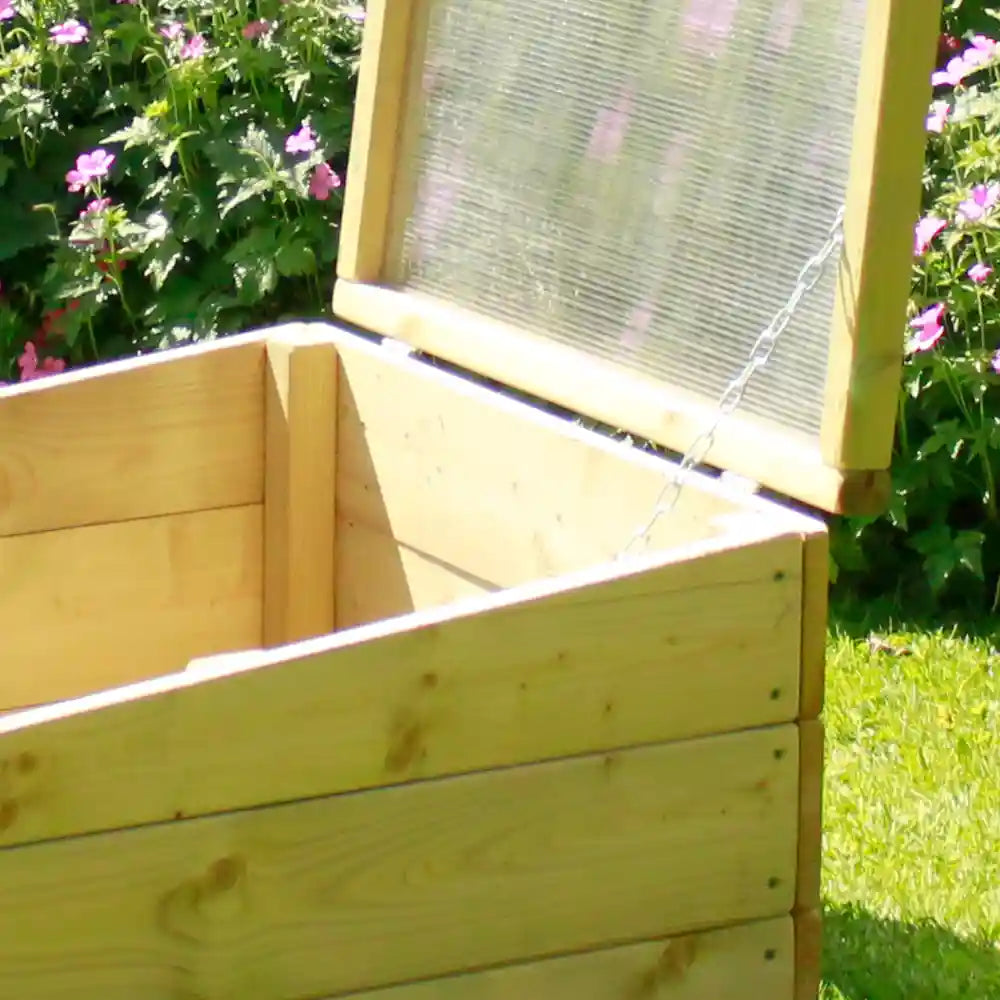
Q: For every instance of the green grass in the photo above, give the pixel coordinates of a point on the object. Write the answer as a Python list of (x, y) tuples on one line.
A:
[(912, 820)]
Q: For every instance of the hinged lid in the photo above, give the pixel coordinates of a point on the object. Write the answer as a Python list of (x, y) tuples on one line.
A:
[(604, 203)]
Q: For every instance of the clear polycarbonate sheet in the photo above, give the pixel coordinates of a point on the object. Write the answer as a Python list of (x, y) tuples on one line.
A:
[(641, 180)]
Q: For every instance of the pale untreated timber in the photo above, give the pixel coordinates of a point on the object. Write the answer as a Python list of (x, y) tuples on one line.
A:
[(300, 461), (882, 205), (700, 640), (176, 432), (355, 891), (411, 119), (815, 616), (810, 849), (496, 488), (754, 960), (378, 112), (86, 608), (379, 577), (808, 954), (782, 460)]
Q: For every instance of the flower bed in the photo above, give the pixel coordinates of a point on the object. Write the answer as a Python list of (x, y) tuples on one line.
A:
[(167, 171), (940, 539)]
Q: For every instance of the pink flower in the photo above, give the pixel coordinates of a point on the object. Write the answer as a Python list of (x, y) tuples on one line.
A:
[(95, 207), (28, 362), (976, 207), (938, 116), (980, 43), (32, 368), (981, 51), (7, 10), (172, 31), (70, 32), (980, 272), (929, 329), (254, 29), (927, 228), (193, 48), (995, 362), (89, 167), (323, 181), (952, 75), (303, 141)]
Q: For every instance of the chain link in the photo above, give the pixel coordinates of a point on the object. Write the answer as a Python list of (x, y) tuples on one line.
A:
[(732, 396)]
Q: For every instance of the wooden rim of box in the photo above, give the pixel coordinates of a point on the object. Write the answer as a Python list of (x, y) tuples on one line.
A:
[(845, 470)]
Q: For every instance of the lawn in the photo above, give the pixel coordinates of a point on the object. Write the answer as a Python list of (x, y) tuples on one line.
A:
[(912, 828)]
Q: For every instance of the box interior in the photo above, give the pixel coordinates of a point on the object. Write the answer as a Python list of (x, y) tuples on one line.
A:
[(132, 506)]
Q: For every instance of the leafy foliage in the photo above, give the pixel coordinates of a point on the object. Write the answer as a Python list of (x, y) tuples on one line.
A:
[(203, 222), (939, 542), (962, 17)]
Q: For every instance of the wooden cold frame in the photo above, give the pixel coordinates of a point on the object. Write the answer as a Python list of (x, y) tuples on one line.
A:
[(372, 811), (845, 470)]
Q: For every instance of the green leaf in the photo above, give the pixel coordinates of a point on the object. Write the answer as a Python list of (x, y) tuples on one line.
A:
[(295, 258), (938, 568), (969, 549), (161, 259), (5, 164), (130, 35), (142, 132), (248, 189), (932, 540)]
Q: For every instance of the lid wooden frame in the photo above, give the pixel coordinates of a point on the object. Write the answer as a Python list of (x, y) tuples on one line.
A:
[(847, 471)]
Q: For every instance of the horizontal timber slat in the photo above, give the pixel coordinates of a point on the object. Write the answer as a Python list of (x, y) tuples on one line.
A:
[(175, 432), (703, 640), (669, 415), (496, 488), (379, 578), (354, 891), (87, 608), (753, 960)]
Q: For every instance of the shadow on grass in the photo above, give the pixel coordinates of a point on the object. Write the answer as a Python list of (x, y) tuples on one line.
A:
[(859, 618), (867, 958)]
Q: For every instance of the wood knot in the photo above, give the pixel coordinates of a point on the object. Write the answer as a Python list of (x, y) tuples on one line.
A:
[(8, 814), (406, 743), (226, 873), (191, 910), (26, 763), (676, 958)]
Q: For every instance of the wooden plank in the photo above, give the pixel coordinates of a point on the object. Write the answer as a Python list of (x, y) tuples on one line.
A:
[(808, 954), (882, 202), (86, 608), (419, 880), (497, 488), (300, 448), (378, 111), (410, 123), (378, 578), (810, 852), (702, 640), (748, 960), (167, 434), (782, 460), (815, 618)]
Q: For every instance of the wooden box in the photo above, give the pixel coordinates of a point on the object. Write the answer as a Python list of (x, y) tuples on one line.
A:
[(329, 671)]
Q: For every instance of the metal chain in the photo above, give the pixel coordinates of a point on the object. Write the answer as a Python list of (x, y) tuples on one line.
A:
[(731, 398)]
